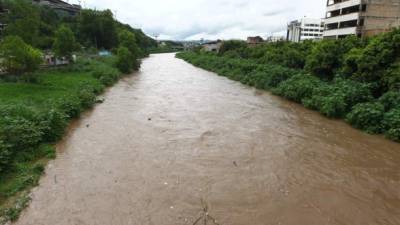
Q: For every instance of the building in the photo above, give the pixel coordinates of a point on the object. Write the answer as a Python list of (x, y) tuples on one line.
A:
[(305, 29), (360, 17), (213, 46), (275, 38), (60, 7), (252, 41)]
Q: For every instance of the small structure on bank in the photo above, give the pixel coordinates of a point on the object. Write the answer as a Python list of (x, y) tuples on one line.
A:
[(213, 46), (253, 41), (49, 60)]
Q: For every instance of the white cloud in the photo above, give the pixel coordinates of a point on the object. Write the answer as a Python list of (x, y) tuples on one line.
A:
[(210, 19)]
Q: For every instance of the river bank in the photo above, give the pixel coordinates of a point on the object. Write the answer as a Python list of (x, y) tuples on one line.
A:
[(34, 116), (174, 141), (340, 98)]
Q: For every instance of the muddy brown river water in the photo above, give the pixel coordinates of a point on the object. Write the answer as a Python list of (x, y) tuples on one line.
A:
[(173, 141)]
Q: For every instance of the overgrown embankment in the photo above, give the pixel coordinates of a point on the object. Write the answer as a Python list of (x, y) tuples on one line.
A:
[(34, 115), (354, 79)]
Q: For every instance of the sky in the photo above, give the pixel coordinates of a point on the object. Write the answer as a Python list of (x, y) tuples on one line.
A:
[(210, 19)]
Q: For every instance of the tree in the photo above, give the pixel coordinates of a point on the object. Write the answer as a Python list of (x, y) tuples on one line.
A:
[(231, 45), (324, 59), (127, 39), (18, 57), (64, 42), (98, 28), (124, 60), (23, 20)]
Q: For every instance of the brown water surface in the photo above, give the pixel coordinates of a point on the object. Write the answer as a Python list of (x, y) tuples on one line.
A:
[(173, 139)]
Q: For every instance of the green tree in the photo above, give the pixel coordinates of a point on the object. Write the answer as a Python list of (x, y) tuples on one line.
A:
[(64, 42), (98, 28), (18, 57), (23, 20), (324, 59), (127, 40), (124, 60), (231, 45)]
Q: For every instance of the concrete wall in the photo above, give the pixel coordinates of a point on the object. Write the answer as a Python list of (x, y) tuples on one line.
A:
[(381, 15)]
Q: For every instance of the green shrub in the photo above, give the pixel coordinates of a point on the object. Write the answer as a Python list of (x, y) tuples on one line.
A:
[(392, 119), (70, 105), (124, 61), (87, 97), (324, 59), (298, 87), (5, 153), (53, 124), (276, 75), (390, 100), (393, 134), (107, 75), (336, 99), (21, 134), (17, 56), (367, 116)]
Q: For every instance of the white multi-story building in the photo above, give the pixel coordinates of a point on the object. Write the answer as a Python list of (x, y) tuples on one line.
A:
[(305, 29), (360, 17)]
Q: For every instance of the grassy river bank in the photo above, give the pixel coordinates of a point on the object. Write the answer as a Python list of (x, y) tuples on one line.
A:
[(35, 111)]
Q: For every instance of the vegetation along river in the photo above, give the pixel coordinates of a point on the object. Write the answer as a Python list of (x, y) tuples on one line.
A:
[(174, 143)]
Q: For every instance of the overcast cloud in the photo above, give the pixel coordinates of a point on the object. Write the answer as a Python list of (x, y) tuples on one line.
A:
[(210, 19)]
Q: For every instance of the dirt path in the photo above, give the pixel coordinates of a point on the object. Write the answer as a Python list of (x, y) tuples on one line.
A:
[(174, 140)]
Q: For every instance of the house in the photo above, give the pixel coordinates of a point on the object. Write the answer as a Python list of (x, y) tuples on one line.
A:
[(49, 59), (252, 41), (213, 46), (360, 17), (305, 29)]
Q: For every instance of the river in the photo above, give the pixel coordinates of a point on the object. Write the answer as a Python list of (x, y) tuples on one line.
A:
[(172, 144)]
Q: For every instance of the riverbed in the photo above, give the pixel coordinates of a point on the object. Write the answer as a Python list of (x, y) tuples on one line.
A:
[(174, 144)]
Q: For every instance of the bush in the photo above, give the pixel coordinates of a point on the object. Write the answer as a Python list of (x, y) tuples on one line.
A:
[(393, 134), (70, 105), (298, 87), (276, 75), (124, 60), (21, 134), (5, 153), (367, 116), (390, 100), (107, 75), (392, 119), (87, 97), (17, 56), (53, 124), (324, 59)]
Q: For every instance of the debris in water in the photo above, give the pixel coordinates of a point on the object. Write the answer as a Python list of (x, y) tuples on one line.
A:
[(234, 163), (100, 100), (87, 125), (149, 119)]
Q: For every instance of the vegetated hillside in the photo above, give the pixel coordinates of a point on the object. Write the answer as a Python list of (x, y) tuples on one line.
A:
[(354, 79), (37, 25)]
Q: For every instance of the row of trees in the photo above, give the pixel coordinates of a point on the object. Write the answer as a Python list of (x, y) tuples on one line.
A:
[(37, 27), (373, 60)]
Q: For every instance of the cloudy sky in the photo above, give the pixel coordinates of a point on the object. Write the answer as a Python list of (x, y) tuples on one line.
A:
[(210, 19)]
